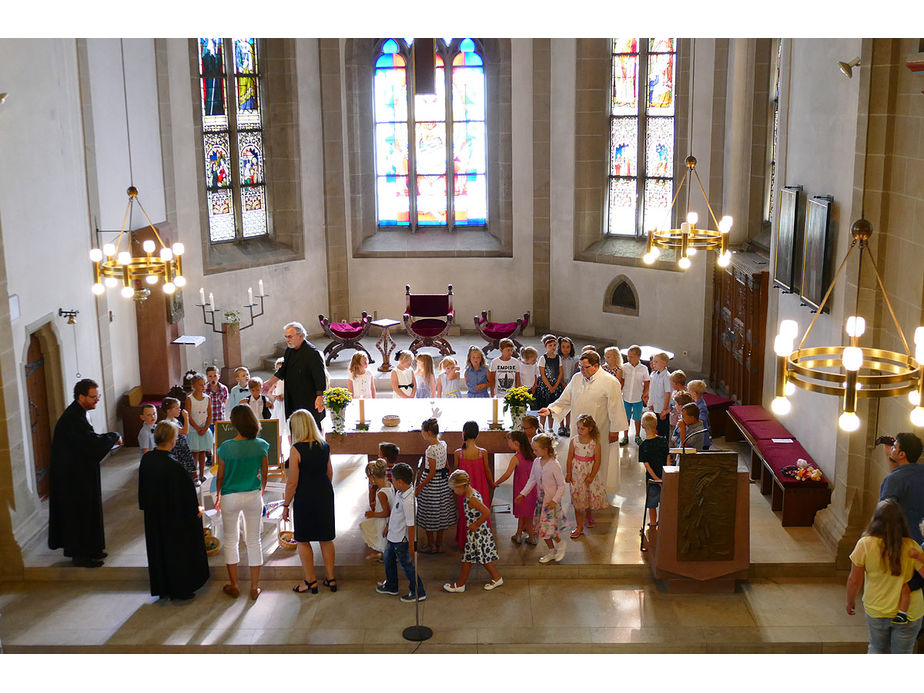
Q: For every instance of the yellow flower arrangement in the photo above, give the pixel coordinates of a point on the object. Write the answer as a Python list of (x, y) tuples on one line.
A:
[(518, 398), (336, 398)]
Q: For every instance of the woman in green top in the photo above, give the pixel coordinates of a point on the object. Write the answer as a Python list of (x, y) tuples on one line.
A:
[(242, 467)]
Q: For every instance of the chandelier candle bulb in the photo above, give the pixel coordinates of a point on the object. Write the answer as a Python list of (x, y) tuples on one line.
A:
[(852, 358), (98, 289), (782, 345), (127, 292), (692, 218), (856, 326), (684, 263), (180, 281), (919, 335), (178, 249), (849, 422), (790, 328), (108, 250), (781, 406), (148, 247), (96, 255), (166, 254), (917, 416), (124, 258)]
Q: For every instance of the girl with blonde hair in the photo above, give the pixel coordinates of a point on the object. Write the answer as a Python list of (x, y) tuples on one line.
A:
[(377, 516), (479, 543), (309, 487)]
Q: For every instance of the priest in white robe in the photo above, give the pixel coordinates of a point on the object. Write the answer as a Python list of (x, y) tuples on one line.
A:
[(594, 391)]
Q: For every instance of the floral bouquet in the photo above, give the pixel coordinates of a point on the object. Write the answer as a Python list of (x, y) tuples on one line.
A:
[(518, 398), (336, 399)]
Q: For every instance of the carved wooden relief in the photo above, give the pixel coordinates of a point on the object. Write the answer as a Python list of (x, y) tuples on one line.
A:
[(706, 507)]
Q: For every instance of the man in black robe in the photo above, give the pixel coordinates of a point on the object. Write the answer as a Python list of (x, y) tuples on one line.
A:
[(303, 373), (75, 499), (177, 562)]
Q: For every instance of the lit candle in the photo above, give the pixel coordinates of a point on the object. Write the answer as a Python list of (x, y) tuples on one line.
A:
[(362, 412), (250, 296), (201, 297), (211, 301), (261, 288), (494, 406)]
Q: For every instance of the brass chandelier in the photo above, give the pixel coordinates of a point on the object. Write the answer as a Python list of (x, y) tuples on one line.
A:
[(849, 371), (112, 265), (688, 237)]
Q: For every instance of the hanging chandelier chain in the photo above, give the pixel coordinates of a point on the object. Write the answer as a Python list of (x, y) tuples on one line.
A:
[(828, 293), (885, 295), (128, 130)]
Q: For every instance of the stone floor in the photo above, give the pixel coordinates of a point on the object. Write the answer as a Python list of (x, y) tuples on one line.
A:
[(600, 598)]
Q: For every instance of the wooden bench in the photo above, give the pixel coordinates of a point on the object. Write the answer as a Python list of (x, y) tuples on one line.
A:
[(797, 500)]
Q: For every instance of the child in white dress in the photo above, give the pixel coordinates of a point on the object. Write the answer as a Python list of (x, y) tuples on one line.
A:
[(361, 383), (200, 418), (376, 517)]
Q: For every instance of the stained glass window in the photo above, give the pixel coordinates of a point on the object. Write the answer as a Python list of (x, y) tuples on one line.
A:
[(430, 149), (641, 167), (235, 176)]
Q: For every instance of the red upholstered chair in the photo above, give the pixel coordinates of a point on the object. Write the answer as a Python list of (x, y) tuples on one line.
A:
[(427, 318), (345, 335), (496, 331)]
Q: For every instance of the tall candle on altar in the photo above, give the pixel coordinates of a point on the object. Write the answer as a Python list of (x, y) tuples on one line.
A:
[(494, 406), (250, 296), (362, 412), (261, 288), (202, 297), (211, 301)]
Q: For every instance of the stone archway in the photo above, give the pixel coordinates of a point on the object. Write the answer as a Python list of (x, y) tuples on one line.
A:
[(621, 297)]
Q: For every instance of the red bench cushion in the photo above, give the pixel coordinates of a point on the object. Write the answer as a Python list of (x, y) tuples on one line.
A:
[(346, 330), (750, 412), (764, 430), (428, 327), (779, 455), (716, 401)]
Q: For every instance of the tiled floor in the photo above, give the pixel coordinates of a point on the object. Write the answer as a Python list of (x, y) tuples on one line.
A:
[(599, 599)]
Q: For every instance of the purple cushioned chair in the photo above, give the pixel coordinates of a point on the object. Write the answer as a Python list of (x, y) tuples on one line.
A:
[(345, 335), (493, 332), (427, 318)]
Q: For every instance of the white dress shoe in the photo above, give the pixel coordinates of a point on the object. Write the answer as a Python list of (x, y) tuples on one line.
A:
[(452, 587), (560, 554), (547, 557), (494, 584)]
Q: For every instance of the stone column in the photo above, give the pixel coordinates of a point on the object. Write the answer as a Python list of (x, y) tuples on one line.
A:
[(738, 120)]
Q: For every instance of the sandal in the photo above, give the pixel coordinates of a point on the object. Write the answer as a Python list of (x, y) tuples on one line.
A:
[(309, 587), (575, 534), (231, 591), (330, 584)]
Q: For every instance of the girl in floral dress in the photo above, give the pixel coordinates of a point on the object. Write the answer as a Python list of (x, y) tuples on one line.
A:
[(479, 543), (549, 518), (587, 492)]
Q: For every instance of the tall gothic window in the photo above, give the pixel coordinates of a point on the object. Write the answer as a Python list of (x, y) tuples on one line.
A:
[(773, 130), (234, 173), (641, 169), (430, 149)]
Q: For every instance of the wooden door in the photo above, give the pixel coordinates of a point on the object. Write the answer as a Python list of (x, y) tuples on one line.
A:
[(39, 414)]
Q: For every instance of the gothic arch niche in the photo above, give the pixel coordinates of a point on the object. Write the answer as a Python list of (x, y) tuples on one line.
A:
[(621, 297)]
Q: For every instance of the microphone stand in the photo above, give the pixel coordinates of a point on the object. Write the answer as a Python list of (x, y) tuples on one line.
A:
[(417, 632)]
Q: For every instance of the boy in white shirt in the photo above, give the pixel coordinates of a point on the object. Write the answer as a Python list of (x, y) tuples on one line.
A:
[(241, 391), (146, 434), (529, 369), (504, 371), (401, 537), (635, 382), (659, 393)]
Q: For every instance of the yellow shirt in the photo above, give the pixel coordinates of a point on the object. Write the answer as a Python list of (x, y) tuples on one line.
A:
[(881, 589)]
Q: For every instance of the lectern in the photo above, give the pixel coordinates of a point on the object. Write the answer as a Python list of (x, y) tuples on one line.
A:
[(702, 542)]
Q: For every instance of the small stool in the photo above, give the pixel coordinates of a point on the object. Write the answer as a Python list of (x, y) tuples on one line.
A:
[(345, 335), (493, 332)]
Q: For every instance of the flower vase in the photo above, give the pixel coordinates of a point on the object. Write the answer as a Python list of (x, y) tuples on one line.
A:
[(516, 416), (338, 420)]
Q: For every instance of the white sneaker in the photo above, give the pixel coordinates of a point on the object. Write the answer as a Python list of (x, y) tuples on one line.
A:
[(560, 554), (494, 584), (452, 587), (547, 557)]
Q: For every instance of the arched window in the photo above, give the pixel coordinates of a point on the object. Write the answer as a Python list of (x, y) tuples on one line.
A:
[(234, 174), (430, 149), (621, 297), (641, 169)]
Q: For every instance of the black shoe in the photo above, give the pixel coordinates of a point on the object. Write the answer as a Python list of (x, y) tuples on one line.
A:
[(100, 556), (87, 562), (330, 584), (182, 597), (411, 597)]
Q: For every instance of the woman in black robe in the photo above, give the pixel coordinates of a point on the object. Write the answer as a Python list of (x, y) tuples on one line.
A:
[(177, 562)]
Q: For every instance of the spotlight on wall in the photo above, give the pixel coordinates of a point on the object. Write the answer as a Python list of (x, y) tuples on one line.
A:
[(847, 68)]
